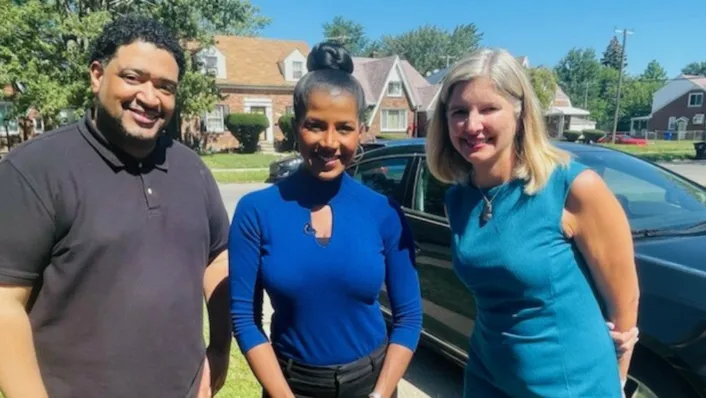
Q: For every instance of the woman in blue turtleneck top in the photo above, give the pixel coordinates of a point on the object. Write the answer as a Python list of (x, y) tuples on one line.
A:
[(322, 246)]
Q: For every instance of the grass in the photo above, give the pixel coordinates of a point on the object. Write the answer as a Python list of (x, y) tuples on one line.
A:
[(660, 151), (245, 176), (239, 160), (392, 136), (240, 382)]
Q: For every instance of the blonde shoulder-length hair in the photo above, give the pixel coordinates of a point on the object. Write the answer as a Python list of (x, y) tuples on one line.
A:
[(536, 156)]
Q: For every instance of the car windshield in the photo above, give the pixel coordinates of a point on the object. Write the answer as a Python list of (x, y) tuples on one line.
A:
[(652, 197)]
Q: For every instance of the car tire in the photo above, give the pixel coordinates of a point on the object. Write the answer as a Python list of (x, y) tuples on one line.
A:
[(652, 377)]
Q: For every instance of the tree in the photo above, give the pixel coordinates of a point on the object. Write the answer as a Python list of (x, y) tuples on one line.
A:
[(429, 47), (544, 85), (695, 68), (578, 73), (44, 46), (612, 55), (654, 72), (348, 33)]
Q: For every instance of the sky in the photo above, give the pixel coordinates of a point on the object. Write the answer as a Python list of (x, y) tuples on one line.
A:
[(669, 31)]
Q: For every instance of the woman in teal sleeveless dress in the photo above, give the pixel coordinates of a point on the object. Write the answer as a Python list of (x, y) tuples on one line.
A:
[(538, 239)]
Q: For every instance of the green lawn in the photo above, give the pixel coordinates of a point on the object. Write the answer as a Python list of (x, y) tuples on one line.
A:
[(392, 136), (245, 176), (240, 161), (659, 150), (240, 382)]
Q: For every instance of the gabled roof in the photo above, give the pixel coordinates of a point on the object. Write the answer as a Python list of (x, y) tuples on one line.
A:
[(255, 61), (696, 79), (438, 75), (373, 73)]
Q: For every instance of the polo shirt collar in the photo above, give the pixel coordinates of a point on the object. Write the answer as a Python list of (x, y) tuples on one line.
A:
[(116, 156)]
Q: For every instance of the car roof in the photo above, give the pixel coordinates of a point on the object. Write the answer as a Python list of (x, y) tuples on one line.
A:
[(416, 146)]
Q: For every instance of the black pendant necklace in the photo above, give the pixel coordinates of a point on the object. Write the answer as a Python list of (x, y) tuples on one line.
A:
[(487, 212)]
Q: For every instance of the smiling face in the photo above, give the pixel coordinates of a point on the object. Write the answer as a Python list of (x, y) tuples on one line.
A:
[(482, 123), (136, 90), (329, 133)]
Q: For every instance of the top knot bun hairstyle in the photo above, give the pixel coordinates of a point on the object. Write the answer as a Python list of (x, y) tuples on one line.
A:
[(330, 66)]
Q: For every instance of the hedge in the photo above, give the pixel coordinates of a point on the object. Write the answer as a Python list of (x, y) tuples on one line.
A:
[(246, 128)]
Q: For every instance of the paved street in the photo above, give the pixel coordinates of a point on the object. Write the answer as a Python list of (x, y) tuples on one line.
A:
[(694, 170), (431, 376)]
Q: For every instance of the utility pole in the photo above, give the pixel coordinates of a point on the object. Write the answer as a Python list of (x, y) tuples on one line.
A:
[(625, 33), (448, 58)]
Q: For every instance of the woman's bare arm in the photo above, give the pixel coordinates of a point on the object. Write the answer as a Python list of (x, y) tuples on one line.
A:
[(598, 224)]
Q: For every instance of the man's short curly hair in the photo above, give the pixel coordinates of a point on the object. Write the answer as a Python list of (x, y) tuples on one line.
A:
[(132, 28)]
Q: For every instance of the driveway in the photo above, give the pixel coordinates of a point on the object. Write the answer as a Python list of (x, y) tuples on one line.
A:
[(430, 375)]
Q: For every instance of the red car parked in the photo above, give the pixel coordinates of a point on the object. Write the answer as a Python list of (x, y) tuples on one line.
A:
[(623, 139)]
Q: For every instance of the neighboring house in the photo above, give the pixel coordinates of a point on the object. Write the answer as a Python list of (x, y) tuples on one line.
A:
[(678, 107), (255, 75), (561, 115), (259, 75), (17, 129), (396, 95)]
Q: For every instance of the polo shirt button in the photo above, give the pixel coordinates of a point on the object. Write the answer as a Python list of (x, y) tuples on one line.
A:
[(149, 191)]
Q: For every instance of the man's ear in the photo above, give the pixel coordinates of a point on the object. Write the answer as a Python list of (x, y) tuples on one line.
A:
[(97, 72)]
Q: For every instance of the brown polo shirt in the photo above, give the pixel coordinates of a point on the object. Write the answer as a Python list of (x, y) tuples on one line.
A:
[(116, 250)]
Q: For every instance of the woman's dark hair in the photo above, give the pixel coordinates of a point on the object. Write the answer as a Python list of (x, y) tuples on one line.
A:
[(129, 29), (329, 66)]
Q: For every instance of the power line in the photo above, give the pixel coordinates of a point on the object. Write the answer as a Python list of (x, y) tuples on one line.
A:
[(625, 33)]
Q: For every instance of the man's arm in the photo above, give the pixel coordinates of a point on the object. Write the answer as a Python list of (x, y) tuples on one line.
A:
[(19, 370), (26, 240), (216, 292)]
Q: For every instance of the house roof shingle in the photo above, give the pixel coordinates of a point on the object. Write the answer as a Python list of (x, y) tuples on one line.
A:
[(256, 61)]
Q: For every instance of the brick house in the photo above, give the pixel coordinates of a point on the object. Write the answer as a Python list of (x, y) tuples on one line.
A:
[(677, 107), (254, 75), (259, 75), (561, 115)]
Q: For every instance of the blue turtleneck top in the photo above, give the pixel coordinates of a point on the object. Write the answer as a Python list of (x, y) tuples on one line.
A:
[(325, 297)]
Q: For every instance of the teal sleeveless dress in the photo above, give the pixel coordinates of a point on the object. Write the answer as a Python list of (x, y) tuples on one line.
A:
[(540, 329)]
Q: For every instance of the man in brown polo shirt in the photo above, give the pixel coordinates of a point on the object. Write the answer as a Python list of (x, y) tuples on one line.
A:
[(111, 234)]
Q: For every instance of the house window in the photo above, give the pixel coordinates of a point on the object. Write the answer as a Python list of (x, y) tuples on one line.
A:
[(696, 100), (215, 120), (297, 69), (698, 118), (394, 89), (211, 65), (394, 120)]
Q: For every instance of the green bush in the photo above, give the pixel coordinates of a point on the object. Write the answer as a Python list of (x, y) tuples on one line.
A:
[(593, 135), (571, 135), (246, 128), (286, 124)]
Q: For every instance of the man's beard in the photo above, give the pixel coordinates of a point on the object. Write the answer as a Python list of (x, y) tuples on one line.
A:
[(114, 131)]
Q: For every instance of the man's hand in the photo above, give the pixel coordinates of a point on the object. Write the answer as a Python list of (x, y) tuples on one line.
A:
[(624, 341)]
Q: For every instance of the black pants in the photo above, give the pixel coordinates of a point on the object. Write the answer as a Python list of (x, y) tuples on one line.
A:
[(353, 380)]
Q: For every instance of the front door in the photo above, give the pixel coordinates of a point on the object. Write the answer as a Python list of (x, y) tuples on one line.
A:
[(262, 111)]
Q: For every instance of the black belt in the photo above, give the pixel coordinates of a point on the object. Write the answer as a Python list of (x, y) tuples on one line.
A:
[(336, 374)]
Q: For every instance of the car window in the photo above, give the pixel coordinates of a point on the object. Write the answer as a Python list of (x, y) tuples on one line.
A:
[(384, 175), (429, 193), (650, 196)]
